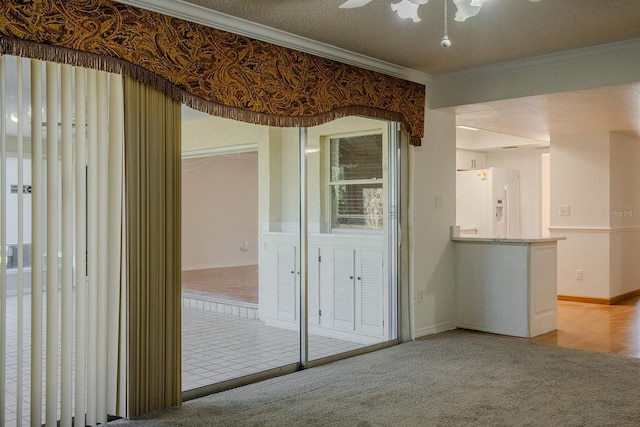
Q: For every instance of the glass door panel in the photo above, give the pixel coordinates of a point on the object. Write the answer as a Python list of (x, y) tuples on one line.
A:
[(351, 290), (241, 274)]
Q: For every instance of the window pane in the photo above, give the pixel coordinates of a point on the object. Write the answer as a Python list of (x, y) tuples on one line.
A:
[(358, 206), (356, 157)]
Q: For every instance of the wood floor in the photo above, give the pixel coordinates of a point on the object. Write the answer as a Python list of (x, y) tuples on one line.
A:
[(601, 328)]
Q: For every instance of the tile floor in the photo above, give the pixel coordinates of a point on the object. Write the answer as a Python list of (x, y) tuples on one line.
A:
[(216, 347)]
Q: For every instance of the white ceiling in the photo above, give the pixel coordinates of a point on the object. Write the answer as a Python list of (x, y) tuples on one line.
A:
[(504, 30)]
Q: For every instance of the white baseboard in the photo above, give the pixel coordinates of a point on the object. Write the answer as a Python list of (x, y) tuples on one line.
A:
[(435, 329)]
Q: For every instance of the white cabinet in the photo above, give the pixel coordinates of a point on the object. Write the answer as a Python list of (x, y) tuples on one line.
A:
[(347, 286), (470, 160), (357, 286), (287, 283), (506, 286)]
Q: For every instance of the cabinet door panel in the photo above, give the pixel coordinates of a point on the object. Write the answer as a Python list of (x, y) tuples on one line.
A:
[(286, 282), (313, 274), (343, 289), (370, 292)]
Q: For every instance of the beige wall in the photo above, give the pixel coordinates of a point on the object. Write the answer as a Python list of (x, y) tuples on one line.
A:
[(215, 221), (220, 211), (432, 170)]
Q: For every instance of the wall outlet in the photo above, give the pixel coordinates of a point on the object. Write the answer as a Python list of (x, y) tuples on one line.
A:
[(564, 210), (420, 296), (578, 274)]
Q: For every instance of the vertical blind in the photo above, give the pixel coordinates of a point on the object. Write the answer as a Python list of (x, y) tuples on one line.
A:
[(62, 331)]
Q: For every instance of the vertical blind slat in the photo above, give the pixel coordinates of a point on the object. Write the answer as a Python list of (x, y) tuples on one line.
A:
[(103, 235), (66, 363), (80, 246), (52, 244), (20, 292), (3, 240), (92, 253), (36, 242), (114, 199)]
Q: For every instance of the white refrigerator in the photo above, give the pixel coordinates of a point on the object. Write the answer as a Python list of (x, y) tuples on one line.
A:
[(488, 202)]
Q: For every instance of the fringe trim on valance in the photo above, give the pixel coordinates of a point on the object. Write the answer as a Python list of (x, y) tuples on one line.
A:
[(62, 55)]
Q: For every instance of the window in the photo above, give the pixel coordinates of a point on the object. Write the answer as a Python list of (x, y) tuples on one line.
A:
[(356, 182)]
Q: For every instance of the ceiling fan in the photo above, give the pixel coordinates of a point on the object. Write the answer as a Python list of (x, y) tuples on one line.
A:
[(465, 9)]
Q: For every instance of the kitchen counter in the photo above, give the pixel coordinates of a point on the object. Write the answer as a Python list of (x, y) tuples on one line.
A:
[(507, 285)]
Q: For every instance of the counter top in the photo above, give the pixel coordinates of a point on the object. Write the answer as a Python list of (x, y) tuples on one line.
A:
[(456, 237), (523, 239)]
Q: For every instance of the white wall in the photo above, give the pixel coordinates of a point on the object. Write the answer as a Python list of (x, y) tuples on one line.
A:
[(580, 180), (220, 211), (432, 169), (596, 175), (526, 160), (624, 214)]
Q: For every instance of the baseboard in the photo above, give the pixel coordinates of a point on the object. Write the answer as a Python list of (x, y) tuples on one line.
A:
[(620, 298), (214, 267), (435, 329), (604, 301)]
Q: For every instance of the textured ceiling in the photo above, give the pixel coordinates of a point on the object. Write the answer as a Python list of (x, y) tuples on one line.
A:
[(503, 30)]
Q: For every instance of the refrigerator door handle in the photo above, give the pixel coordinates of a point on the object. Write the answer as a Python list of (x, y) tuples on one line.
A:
[(507, 197)]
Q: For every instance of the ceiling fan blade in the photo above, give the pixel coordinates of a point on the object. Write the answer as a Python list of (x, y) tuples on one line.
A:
[(350, 4)]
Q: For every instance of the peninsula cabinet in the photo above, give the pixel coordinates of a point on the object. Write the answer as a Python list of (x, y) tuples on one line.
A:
[(507, 286)]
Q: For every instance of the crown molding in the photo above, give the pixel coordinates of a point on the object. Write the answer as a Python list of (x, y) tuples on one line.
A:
[(214, 19), (602, 51)]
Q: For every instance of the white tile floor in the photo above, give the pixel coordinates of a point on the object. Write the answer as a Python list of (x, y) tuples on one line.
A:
[(215, 347)]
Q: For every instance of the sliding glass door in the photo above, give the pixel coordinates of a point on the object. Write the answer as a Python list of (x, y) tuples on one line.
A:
[(350, 206), (323, 244)]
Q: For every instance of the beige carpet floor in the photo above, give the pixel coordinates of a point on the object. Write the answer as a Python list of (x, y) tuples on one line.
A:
[(456, 378)]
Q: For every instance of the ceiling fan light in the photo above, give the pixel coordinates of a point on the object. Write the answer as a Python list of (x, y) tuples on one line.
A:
[(406, 9), (465, 10), (351, 4)]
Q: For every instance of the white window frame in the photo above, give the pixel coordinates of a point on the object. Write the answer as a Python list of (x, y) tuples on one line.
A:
[(330, 215)]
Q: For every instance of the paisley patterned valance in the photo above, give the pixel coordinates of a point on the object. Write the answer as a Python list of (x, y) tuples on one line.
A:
[(214, 71)]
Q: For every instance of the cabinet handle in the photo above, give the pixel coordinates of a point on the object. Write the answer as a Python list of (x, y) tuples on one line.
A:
[(293, 272), (359, 278), (350, 277)]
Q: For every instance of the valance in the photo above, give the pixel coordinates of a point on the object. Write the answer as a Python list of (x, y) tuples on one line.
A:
[(211, 70)]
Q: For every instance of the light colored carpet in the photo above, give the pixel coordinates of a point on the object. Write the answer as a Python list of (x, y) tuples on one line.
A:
[(456, 378)]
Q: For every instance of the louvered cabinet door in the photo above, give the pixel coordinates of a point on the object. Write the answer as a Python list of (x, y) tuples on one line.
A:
[(286, 282), (370, 292), (343, 289), (313, 296)]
